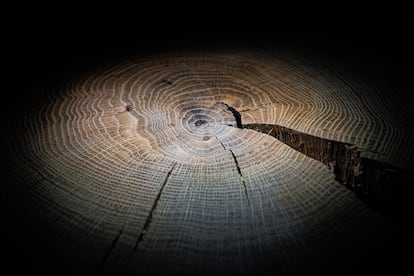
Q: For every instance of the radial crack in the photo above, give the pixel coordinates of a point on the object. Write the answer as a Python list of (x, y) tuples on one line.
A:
[(108, 253), (365, 176), (343, 159), (240, 173), (221, 143), (150, 215), (237, 166)]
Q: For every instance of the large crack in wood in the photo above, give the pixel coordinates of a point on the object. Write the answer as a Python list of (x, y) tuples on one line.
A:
[(370, 178), (108, 253), (378, 183), (236, 114), (342, 159), (149, 217)]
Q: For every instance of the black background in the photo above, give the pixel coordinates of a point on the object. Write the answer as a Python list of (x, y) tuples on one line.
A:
[(45, 46)]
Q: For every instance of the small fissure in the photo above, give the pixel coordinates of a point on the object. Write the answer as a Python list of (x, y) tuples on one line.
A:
[(167, 82), (237, 166), (108, 252), (237, 163), (221, 143), (128, 108), (241, 175), (150, 215)]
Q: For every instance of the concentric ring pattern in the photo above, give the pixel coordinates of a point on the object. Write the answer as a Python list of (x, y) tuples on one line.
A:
[(140, 167)]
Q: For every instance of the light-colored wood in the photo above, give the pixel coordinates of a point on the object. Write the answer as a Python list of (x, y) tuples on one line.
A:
[(121, 166)]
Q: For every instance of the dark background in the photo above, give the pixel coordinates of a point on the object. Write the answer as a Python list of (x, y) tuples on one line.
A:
[(43, 47), (46, 45)]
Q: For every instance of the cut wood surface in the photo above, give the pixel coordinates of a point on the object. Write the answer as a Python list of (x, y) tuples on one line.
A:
[(145, 166)]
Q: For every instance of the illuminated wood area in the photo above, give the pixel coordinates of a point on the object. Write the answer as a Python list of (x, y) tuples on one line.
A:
[(143, 166)]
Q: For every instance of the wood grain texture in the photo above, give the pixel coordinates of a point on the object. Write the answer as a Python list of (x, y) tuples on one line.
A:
[(140, 166)]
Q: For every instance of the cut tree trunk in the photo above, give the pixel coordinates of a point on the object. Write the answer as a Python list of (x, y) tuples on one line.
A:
[(153, 165)]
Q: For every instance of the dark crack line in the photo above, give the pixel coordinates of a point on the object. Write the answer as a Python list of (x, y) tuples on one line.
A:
[(149, 217), (240, 173), (237, 166), (237, 163), (221, 143), (108, 253)]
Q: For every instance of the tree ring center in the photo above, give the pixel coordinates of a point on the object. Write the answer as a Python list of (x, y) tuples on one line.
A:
[(201, 122)]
